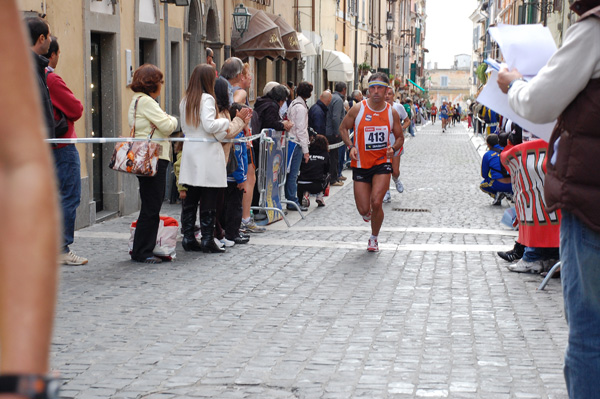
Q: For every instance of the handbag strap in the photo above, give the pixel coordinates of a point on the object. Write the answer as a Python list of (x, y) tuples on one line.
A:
[(132, 134)]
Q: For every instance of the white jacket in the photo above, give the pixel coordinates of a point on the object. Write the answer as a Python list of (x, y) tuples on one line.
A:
[(298, 113), (203, 163)]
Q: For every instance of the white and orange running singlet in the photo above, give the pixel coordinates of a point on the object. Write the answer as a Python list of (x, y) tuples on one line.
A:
[(372, 131)]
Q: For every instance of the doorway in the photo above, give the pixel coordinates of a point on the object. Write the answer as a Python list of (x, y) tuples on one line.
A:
[(96, 111)]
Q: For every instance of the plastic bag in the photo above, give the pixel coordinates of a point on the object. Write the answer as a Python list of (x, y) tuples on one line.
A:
[(166, 238)]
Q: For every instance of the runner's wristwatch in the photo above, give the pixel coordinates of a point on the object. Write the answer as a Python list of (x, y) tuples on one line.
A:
[(32, 386)]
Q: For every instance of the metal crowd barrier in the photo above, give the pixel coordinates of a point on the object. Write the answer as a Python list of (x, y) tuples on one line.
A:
[(549, 276), (273, 144)]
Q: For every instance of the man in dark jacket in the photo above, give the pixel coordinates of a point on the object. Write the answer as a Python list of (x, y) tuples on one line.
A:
[(355, 97), (572, 182), (335, 114), (39, 32), (317, 114)]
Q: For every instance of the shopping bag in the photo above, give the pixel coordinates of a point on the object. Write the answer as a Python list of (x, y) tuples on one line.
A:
[(166, 238)]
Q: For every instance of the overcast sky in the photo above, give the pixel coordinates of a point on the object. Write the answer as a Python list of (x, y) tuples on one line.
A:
[(449, 30)]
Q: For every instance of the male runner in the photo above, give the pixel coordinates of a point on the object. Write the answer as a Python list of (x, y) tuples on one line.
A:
[(444, 115), (373, 121), (405, 120)]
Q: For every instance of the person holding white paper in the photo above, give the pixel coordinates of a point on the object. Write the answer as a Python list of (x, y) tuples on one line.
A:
[(568, 87)]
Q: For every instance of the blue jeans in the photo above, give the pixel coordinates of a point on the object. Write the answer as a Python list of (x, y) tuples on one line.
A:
[(411, 128), (533, 254), (291, 182), (66, 162), (580, 276), (341, 160)]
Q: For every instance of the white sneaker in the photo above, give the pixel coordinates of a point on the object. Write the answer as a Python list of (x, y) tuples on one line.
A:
[(218, 242), (399, 186), (522, 266), (227, 243), (320, 200), (373, 245), (367, 217), (70, 259), (387, 197)]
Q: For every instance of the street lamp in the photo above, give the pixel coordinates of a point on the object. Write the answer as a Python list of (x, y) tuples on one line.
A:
[(241, 19), (389, 25)]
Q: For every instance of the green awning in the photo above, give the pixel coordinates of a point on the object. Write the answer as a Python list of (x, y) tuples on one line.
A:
[(416, 85)]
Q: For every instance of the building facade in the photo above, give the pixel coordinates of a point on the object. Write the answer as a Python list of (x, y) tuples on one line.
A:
[(554, 14), (452, 85), (103, 41)]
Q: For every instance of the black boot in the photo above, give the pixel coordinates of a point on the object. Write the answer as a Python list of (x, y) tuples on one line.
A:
[(188, 222), (207, 227), (514, 254)]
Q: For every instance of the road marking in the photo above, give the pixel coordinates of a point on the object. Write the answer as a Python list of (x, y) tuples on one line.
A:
[(266, 241), (387, 246), (443, 230)]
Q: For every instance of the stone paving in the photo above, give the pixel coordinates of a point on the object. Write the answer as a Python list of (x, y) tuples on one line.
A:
[(306, 312)]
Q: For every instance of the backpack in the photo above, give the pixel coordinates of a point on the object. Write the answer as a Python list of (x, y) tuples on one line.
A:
[(61, 126)]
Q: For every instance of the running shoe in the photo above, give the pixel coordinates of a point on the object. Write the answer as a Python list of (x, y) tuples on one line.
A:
[(367, 217), (373, 245), (523, 266), (320, 200), (71, 259), (387, 197), (399, 186), (251, 227), (305, 200)]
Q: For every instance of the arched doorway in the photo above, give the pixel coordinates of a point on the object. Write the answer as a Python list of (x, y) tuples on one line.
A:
[(195, 48), (212, 35)]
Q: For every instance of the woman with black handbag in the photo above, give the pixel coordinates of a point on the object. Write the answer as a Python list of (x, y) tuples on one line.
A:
[(149, 119)]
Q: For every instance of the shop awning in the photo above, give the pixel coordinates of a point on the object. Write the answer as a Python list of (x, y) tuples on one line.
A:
[(289, 38), (261, 40), (416, 85), (338, 65), (308, 49)]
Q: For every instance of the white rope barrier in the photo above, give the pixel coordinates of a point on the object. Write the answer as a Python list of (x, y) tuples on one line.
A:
[(332, 146), (103, 140)]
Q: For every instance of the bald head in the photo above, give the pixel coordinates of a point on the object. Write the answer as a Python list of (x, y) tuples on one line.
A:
[(325, 97)]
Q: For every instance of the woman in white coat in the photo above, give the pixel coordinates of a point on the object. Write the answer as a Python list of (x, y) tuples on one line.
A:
[(203, 165)]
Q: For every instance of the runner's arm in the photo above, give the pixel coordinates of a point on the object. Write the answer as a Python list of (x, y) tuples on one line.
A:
[(398, 131), (346, 125)]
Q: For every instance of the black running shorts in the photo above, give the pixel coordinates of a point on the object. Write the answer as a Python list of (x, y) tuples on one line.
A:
[(366, 175)]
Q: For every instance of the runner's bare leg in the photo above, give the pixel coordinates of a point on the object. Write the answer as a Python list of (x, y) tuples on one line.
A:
[(396, 167), (362, 197), (247, 198), (380, 184)]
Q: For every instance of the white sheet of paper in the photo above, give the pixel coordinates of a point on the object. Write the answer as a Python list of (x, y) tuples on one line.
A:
[(524, 47), (492, 97)]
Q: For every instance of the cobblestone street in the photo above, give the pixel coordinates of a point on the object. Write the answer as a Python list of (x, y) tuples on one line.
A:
[(306, 312)]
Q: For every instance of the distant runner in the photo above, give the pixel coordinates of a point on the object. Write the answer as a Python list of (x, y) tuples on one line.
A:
[(373, 120)]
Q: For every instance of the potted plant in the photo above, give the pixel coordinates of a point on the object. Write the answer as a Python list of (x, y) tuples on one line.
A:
[(364, 67)]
